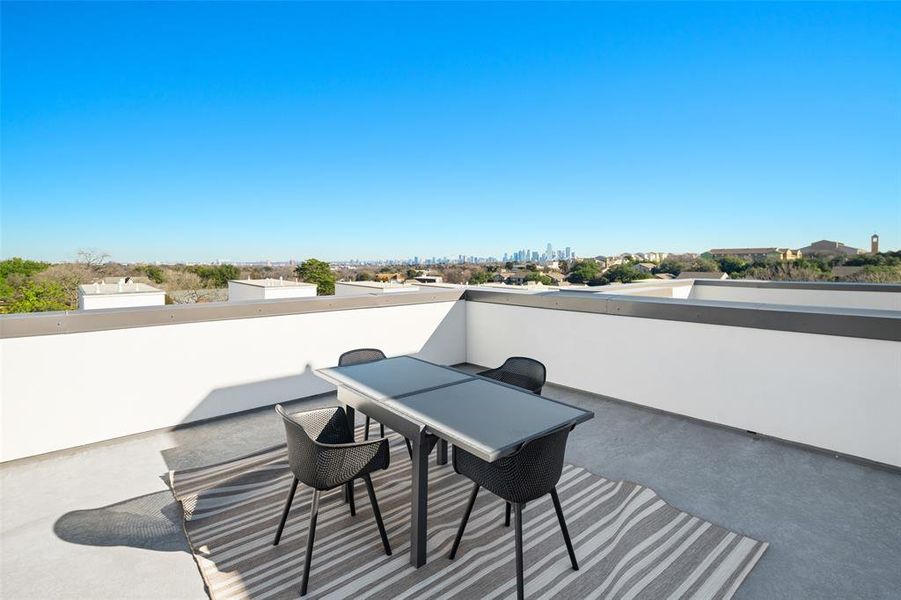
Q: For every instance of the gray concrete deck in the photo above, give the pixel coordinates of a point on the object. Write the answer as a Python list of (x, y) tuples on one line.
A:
[(98, 522)]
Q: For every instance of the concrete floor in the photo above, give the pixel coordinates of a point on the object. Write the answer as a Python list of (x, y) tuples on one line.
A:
[(98, 522)]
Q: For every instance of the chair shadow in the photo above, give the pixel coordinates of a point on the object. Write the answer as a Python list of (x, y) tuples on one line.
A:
[(149, 522)]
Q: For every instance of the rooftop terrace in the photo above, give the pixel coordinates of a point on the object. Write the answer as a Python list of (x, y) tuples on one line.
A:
[(676, 383)]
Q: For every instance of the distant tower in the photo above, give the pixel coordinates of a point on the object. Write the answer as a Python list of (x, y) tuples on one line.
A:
[(874, 243)]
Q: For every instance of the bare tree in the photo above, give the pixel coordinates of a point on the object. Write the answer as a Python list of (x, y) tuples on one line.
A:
[(92, 258)]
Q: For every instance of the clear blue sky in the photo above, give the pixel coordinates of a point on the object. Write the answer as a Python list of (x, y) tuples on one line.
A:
[(173, 131)]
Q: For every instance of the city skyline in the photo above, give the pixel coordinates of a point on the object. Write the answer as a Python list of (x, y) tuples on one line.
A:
[(294, 130), (524, 255)]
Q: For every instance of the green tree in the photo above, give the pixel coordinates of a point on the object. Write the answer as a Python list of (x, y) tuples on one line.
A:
[(706, 265), (539, 277), (672, 266), (733, 265), (411, 273), (625, 273), (508, 265), (364, 276), (479, 277), (583, 270), (878, 274), (218, 275), (21, 266), (154, 273), (318, 272), (38, 297)]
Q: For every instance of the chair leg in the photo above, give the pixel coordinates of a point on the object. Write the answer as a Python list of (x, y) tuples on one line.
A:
[(377, 513), (507, 515), (381, 430), (366, 429), (281, 525), (520, 585), (569, 544), (409, 449), (350, 495), (311, 534), (469, 505)]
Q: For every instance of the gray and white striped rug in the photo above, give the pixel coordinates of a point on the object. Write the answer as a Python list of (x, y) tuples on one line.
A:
[(629, 542)]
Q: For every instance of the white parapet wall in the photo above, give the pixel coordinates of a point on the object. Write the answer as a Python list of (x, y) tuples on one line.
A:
[(69, 389), (268, 289), (843, 296), (98, 296), (829, 391), (365, 288), (826, 377)]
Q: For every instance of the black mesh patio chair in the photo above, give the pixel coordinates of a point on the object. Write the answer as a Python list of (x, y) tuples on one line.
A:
[(323, 455), (525, 373), (527, 475), (365, 355), (359, 356)]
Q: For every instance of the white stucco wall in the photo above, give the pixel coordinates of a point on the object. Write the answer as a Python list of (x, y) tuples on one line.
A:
[(124, 300), (832, 392), (65, 390), (364, 288), (800, 297), (238, 291)]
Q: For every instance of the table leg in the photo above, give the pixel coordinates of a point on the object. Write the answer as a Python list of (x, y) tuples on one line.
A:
[(352, 422), (420, 500), (442, 452)]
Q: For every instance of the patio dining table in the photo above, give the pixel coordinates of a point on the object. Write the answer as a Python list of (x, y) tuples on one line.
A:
[(423, 401)]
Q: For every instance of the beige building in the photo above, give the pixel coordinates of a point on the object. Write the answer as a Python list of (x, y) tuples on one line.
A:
[(757, 254), (830, 248)]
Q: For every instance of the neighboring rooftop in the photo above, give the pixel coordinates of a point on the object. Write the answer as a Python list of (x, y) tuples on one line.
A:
[(702, 275), (101, 289), (273, 283), (121, 294), (355, 288)]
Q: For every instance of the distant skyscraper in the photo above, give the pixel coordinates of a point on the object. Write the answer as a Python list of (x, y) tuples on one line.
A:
[(550, 250), (569, 253)]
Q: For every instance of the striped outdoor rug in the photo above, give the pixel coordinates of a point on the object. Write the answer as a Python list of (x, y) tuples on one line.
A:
[(629, 542)]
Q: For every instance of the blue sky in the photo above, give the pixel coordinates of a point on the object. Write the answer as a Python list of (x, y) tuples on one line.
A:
[(202, 131)]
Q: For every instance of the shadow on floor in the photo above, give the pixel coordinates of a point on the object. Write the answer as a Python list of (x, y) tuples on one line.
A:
[(151, 522)]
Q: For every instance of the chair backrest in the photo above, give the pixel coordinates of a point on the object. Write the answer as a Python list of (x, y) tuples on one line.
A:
[(304, 432), (529, 473), (522, 372), (360, 355)]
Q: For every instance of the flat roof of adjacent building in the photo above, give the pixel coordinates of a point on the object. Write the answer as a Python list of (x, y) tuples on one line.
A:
[(270, 283), (379, 284), (100, 289)]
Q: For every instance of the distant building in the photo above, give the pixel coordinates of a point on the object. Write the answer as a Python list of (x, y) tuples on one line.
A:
[(122, 294), (702, 275), (830, 248), (664, 276), (428, 279), (757, 254), (268, 289), (645, 267)]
